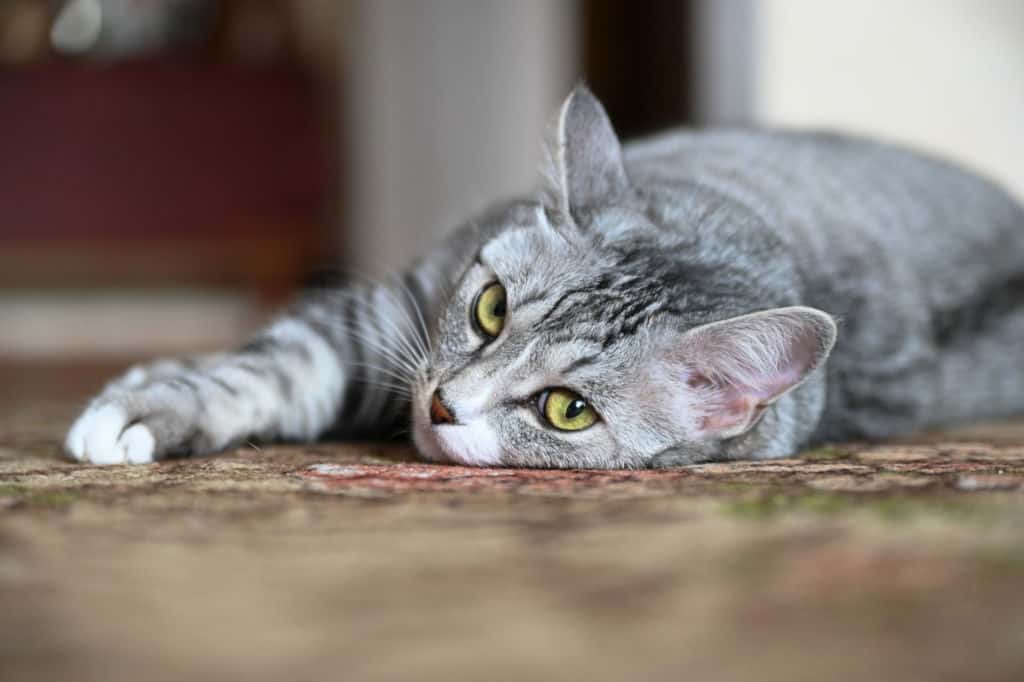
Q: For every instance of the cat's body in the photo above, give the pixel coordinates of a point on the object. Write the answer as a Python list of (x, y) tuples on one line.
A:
[(921, 262), (674, 289)]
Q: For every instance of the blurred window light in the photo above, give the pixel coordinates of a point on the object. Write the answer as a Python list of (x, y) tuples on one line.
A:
[(125, 29), (77, 28)]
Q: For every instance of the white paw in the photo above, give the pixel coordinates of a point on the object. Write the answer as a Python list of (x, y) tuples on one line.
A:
[(154, 411), (103, 436)]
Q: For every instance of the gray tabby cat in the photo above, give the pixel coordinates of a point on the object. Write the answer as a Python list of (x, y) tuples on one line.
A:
[(671, 302)]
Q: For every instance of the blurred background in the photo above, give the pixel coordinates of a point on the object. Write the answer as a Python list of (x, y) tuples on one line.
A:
[(172, 170)]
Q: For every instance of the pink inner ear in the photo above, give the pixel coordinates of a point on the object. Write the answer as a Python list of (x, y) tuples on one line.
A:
[(729, 407), (734, 413), (741, 384), (777, 381), (797, 357)]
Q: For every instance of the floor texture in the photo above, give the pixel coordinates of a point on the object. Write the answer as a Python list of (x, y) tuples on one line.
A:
[(346, 562)]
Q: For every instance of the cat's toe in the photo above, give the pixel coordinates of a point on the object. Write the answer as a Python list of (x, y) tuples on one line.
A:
[(102, 444), (102, 436), (138, 444)]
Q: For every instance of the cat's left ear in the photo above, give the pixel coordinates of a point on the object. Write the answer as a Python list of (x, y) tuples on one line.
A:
[(728, 373), (585, 155)]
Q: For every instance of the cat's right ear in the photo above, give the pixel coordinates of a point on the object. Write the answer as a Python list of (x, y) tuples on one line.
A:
[(731, 371), (585, 156)]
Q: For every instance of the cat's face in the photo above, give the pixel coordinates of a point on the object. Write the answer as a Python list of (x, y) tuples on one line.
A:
[(530, 365), (560, 346)]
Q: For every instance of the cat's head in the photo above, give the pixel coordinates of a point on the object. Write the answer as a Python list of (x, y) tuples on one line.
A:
[(582, 336)]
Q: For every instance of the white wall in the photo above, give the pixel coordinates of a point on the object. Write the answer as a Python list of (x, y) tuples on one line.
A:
[(946, 75), (449, 100)]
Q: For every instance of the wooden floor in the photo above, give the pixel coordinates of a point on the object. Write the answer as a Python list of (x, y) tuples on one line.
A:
[(345, 562)]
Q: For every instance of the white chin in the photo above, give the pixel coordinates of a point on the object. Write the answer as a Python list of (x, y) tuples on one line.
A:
[(472, 444)]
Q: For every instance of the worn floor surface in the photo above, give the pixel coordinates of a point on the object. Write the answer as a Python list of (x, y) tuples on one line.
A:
[(345, 562)]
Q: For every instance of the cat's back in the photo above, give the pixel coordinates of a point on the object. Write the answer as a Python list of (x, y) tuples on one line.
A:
[(843, 202), (899, 246)]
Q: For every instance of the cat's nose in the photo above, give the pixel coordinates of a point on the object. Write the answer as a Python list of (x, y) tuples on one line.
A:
[(439, 412)]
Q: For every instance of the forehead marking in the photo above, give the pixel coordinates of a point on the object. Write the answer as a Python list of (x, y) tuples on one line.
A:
[(521, 359), (580, 362)]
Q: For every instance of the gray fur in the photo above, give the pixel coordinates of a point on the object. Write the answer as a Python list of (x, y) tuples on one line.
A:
[(714, 295)]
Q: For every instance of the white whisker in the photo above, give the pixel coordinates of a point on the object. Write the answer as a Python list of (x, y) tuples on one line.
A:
[(419, 315), (400, 333)]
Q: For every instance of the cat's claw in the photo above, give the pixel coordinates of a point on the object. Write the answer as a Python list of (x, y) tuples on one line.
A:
[(103, 435)]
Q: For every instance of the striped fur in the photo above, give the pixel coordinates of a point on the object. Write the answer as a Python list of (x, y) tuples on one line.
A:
[(713, 296)]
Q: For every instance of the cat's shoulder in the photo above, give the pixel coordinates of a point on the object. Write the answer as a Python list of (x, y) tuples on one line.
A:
[(806, 153), (752, 139)]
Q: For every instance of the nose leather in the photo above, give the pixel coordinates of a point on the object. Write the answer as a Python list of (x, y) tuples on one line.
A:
[(439, 412)]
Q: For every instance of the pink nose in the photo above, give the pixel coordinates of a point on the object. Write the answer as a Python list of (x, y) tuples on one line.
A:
[(439, 414)]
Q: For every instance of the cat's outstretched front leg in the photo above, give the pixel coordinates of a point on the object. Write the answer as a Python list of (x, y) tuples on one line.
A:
[(338, 355)]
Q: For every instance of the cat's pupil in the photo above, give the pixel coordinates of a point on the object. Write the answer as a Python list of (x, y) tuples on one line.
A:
[(499, 309), (575, 408)]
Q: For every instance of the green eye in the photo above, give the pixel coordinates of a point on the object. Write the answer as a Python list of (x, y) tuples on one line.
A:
[(565, 410), (489, 310)]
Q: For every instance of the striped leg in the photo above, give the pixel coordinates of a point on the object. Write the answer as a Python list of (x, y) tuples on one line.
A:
[(341, 355)]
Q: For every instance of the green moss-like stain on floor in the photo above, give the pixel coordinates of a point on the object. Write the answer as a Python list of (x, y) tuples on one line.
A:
[(765, 506), (769, 505), (827, 452), (38, 498)]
